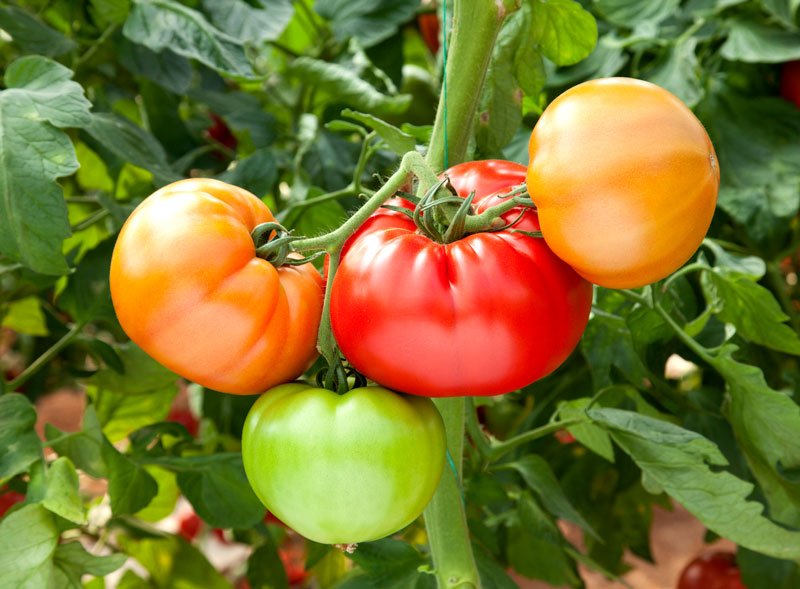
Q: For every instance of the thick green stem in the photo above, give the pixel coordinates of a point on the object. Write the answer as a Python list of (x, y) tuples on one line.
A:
[(502, 448), (469, 51), (445, 519), (412, 162)]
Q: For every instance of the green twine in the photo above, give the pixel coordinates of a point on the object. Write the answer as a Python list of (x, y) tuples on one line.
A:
[(444, 75), (455, 474)]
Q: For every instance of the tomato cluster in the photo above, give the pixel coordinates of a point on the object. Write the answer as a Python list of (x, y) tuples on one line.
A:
[(624, 181)]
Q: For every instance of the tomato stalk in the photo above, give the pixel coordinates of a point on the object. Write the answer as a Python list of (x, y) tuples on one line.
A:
[(475, 27), (469, 51)]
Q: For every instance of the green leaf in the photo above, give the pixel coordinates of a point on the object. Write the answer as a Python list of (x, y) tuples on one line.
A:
[(538, 475), (63, 496), (369, 21), (130, 487), (751, 265), (39, 97), (764, 572), (264, 567), (28, 539), (217, 488), (389, 563), (25, 316), (398, 141), (565, 32), (753, 42), (132, 144), (755, 141), (678, 71), (678, 460), (166, 24), (244, 113), (19, 445), (165, 68), (84, 448), (344, 85), (588, 434), (87, 296), (142, 374), (536, 558), (766, 423), (631, 12), (492, 575), (172, 562), (72, 562), (607, 343), (110, 12), (163, 504), (256, 173), (32, 35), (250, 25), (737, 299)]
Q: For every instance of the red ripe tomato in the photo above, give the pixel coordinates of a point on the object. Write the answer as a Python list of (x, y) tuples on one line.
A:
[(484, 315), (625, 180), (564, 436), (190, 526), (188, 288), (429, 30), (293, 557), (715, 570), (185, 417), (790, 81), (220, 132), (8, 499), (485, 176)]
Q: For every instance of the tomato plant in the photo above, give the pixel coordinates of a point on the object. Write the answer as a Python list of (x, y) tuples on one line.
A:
[(715, 570), (188, 288), (345, 468), (316, 116), (407, 311), (621, 208)]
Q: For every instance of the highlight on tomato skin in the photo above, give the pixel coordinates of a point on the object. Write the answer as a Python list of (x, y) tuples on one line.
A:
[(625, 180)]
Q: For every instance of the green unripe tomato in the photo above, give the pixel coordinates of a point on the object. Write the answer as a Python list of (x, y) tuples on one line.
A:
[(342, 469)]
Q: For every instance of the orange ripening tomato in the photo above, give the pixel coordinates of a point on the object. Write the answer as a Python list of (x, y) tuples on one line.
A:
[(625, 180), (188, 288)]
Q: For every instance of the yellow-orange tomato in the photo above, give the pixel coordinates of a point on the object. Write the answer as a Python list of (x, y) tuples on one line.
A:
[(189, 290), (625, 179)]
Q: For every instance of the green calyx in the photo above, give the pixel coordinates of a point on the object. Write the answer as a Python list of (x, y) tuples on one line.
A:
[(273, 243)]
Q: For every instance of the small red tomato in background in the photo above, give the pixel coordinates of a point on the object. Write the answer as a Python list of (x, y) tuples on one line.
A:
[(790, 81), (185, 417), (428, 23), (9, 499), (293, 557), (219, 132), (715, 570), (189, 526), (564, 436)]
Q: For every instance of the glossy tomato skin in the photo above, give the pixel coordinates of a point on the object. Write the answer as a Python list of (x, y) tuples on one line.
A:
[(715, 570), (428, 23), (790, 81), (189, 290), (625, 180), (481, 316), (346, 468)]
